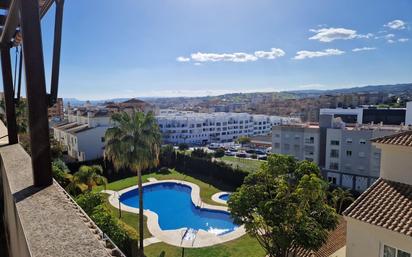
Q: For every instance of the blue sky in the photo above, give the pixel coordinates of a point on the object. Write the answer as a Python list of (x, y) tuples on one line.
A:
[(130, 48)]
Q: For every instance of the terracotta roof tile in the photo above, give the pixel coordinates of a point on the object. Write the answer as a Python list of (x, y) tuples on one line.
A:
[(403, 138), (386, 204), (336, 240)]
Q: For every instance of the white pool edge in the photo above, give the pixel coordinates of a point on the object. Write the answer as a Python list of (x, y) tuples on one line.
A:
[(216, 197), (173, 237)]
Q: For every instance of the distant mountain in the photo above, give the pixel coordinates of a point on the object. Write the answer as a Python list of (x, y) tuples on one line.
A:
[(77, 102), (396, 88)]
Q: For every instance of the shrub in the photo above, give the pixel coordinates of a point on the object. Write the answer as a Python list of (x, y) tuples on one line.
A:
[(219, 153), (199, 153), (61, 173), (183, 146), (253, 156), (89, 201)]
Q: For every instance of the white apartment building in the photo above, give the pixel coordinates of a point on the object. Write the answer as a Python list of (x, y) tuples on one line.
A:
[(82, 134), (219, 127)]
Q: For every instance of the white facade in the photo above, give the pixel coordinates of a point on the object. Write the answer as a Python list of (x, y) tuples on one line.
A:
[(83, 135), (203, 128)]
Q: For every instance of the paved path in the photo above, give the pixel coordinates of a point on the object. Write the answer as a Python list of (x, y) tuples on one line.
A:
[(150, 240)]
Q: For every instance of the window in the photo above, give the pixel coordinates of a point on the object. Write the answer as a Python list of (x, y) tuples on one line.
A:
[(102, 139), (334, 166), (334, 153), (309, 140), (362, 141), (362, 154), (349, 140), (389, 251), (334, 142), (286, 147), (332, 180), (348, 153), (277, 145)]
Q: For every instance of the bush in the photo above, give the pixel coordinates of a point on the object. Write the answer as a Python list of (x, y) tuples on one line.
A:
[(218, 170), (183, 146), (253, 156), (61, 173), (164, 171), (89, 201), (199, 153), (219, 153)]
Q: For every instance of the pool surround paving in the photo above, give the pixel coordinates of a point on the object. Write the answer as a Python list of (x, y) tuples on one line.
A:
[(174, 237)]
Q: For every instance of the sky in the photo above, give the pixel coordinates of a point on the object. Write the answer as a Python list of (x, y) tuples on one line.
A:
[(129, 48)]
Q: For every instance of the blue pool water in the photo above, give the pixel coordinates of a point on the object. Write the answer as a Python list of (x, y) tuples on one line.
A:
[(224, 197), (173, 204)]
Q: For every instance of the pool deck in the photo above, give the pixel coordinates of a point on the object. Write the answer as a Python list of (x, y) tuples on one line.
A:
[(216, 198), (174, 237)]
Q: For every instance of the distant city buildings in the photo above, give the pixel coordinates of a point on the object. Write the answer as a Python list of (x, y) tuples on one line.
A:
[(342, 150), (57, 110)]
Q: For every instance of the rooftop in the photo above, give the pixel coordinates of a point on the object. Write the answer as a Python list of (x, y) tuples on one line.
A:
[(401, 139), (387, 204)]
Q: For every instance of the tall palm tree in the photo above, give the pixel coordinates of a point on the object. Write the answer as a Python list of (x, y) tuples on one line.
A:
[(89, 176), (134, 143), (339, 196)]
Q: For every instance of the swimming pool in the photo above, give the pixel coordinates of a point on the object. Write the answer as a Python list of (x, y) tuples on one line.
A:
[(173, 204), (224, 197)]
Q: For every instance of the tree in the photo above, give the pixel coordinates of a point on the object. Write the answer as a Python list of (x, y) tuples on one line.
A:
[(199, 153), (87, 176), (340, 196), (134, 143), (183, 147), (219, 153), (61, 173), (284, 206), (167, 155), (243, 140)]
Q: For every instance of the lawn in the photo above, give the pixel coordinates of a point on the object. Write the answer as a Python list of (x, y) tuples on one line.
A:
[(248, 165), (241, 247)]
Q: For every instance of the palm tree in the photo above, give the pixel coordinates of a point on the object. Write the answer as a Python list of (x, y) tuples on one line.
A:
[(87, 176), (339, 196), (134, 143)]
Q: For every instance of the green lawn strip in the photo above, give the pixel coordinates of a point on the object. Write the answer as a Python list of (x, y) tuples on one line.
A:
[(248, 165), (245, 246)]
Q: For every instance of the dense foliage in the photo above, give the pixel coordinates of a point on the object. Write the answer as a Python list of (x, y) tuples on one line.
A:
[(93, 204), (86, 178), (183, 146), (200, 153), (219, 153), (284, 206)]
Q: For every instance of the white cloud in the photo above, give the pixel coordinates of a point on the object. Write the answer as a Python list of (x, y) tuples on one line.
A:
[(390, 41), (403, 40), (182, 59), (200, 57), (272, 54), (300, 55), (396, 24), (363, 49), (233, 57), (331, 34)]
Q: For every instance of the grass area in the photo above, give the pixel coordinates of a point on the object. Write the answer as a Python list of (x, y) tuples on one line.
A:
[(248, 165), (206, 190), (245, 246), (241, 247)]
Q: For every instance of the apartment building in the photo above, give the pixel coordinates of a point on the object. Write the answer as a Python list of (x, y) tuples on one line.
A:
[(301, 141), (379, 221), (56, 111), (343, 151), (82, 134), (203, 128)]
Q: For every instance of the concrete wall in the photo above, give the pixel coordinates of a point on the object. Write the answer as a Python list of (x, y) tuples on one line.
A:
[(367, 240), (408, 116), (396, 163)]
